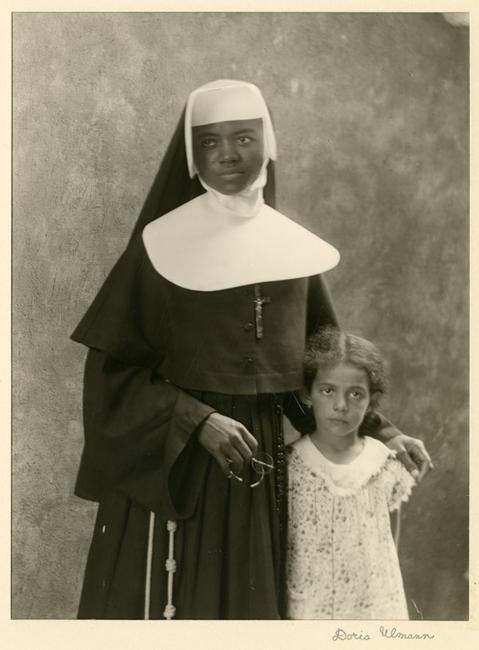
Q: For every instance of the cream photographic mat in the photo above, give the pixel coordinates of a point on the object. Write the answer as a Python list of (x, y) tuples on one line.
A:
[(30, 633)]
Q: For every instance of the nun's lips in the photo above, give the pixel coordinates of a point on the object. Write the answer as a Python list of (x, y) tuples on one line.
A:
[(231, 173)]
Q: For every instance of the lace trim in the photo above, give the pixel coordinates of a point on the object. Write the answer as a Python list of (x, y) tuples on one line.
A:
[(401, 487)]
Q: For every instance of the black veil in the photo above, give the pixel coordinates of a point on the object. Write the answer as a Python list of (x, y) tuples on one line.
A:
[(171, 188)]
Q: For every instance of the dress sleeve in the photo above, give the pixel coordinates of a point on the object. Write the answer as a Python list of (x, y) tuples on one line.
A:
[(136, 428), (398, 483), (137, 425)]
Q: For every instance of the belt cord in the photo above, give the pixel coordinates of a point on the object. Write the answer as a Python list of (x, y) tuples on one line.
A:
[(170, 564), (149, 559)]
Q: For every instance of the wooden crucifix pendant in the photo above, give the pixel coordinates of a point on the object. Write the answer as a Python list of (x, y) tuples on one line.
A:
[(259, 301)]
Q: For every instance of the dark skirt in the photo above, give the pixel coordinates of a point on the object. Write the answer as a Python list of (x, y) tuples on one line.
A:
[(230, 554)]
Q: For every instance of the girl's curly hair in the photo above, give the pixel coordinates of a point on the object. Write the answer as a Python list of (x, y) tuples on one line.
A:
[(329, 346)]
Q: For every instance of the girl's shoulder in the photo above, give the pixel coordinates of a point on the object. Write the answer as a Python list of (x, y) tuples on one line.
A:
[(296, 452)]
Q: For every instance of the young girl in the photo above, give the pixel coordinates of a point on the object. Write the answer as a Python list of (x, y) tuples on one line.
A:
[(342, 561)]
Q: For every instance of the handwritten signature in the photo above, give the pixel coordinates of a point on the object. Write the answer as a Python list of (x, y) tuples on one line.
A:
[(386, 632)]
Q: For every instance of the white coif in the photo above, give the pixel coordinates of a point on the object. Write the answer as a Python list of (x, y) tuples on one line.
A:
[(203, 247)]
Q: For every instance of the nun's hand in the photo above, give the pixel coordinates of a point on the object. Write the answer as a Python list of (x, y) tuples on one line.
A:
[(413, 455), (228, 441)]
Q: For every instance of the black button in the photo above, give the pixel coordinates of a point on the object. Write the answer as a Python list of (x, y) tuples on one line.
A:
[(248, 327), (249, 360)]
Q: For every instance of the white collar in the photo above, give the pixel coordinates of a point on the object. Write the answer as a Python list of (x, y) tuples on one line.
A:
[(345, 479), (204, 246)]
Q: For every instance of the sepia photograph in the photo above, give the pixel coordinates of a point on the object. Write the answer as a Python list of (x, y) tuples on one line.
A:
[(240, 318)]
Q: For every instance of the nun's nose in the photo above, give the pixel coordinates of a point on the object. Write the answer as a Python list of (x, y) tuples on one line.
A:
[(228, 151)]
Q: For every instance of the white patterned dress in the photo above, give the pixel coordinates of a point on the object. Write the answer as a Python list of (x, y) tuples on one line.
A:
[(342, 561)]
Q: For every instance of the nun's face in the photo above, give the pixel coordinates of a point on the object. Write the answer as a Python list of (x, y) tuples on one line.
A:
[(229, 155)]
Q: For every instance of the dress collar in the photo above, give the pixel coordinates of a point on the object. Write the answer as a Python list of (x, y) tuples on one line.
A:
[(344, 479)]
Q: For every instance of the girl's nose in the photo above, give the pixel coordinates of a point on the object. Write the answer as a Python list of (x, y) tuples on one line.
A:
[(340, 404)]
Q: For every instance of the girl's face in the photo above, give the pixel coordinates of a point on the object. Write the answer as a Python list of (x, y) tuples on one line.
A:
[(229, 155), (340, 397)]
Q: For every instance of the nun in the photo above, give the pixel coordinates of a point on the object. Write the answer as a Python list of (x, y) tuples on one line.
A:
[(195, 347)]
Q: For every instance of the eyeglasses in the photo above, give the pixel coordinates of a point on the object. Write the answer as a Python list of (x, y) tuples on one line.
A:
[(262, 464)]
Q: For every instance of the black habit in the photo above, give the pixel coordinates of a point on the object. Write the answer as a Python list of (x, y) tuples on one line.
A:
[(161, 359)]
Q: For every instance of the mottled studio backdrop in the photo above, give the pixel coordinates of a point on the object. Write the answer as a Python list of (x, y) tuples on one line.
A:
[(371, 112)]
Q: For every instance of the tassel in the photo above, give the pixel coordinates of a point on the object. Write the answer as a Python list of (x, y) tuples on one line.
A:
[(170, 609)]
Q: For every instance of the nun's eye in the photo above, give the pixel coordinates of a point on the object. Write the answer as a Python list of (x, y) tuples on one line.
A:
[(208, 143), (244, 139)]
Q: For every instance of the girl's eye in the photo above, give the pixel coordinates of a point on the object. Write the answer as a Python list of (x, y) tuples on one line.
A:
[(356, 394), (327, 391), (244, 139)]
